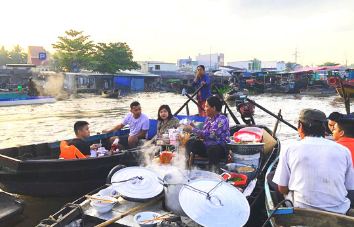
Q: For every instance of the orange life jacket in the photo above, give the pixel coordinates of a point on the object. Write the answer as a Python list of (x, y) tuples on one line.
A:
[(69, 152)]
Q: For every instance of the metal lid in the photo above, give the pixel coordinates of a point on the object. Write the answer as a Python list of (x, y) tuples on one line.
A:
[(226, 206), (137, 183)]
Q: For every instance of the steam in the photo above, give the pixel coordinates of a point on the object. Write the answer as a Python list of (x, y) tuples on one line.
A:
[(52, 85)]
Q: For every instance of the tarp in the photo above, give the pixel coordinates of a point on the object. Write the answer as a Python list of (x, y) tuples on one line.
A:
[(122, 80), (137, 84), (316, 69)]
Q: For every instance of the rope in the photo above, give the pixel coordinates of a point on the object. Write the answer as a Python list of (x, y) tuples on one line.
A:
[(275, 209), (133, 178)]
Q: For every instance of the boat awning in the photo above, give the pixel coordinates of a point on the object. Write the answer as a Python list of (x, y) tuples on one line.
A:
[(316, 69)]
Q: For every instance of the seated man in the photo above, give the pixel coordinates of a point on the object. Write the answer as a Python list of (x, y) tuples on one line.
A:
[(315, 173), (82, 132), (215, 134), (332, 118), (139, 125)]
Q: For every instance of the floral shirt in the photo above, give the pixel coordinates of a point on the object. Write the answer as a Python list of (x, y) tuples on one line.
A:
[(163, 127), (215, 131)]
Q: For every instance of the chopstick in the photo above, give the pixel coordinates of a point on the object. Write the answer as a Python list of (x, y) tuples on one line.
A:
[(157, 218), (104, 200)]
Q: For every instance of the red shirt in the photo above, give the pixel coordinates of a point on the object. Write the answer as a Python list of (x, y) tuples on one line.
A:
[(349, 143)]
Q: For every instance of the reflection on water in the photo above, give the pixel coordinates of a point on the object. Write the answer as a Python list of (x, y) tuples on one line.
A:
[(20, 125)]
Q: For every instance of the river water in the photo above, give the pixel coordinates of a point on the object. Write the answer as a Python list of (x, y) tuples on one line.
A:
[(29, 124)]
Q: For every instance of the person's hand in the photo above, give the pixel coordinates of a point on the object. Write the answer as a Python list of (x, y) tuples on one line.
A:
[(192, 124), (203, 82), (188, 128), (105, 131), (94, 146)]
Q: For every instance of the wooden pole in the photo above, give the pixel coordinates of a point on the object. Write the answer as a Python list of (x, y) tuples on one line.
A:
[(194, 102), (192, 96), (160, 197), (271, 114), (345, 96), (276, 123)]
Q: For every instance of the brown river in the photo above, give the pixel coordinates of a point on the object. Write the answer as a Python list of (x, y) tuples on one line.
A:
[(28, 124)]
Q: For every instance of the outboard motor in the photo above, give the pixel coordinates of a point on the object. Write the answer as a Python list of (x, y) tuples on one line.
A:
[(246, 109)]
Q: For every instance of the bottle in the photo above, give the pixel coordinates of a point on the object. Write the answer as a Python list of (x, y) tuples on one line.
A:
[(114, 146)]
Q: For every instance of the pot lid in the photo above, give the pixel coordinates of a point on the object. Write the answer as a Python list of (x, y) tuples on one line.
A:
[(137, 183), (226, 206)]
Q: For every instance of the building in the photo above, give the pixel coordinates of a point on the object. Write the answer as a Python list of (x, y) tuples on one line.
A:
[(187, 64), (211, 61), (151, 66), (248, 66), (33, 58), (273, 65)]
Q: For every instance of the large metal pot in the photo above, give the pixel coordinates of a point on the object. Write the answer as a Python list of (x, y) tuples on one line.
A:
[(174, 181)]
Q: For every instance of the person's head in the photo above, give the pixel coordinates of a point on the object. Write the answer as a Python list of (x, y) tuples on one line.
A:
[(82, 130), (311, 123), (135, 109), (332, 119), (344, 127), (164, 113), (212, 106), (200, 70)]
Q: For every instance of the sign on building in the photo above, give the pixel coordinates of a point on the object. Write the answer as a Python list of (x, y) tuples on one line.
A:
[(42, 56)]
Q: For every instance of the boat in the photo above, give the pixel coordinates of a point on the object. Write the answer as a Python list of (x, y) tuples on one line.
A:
[(81, 209), (110, 93), (293, 216), (11, 210), (348, 86), (233, 94), (22, 98)]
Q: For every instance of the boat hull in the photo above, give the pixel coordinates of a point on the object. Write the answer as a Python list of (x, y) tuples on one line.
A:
[(11, 210), (28, 101)]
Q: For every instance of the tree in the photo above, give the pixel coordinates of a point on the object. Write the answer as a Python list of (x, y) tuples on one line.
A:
[(113, 57), (74, 47), (4, 56), (17, 56), (289, 66), (330, 64)]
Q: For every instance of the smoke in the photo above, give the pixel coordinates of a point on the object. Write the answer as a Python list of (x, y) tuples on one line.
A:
[(51, 85)]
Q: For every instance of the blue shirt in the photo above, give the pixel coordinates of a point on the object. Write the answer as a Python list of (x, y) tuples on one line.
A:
[(205, 91)]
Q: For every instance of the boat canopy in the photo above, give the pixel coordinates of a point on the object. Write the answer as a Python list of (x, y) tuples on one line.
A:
[(316, 69)]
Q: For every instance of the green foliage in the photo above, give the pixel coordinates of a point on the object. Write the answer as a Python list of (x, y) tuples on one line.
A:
[(289, 66), (4, 56), (330, 64), (17, 56), (73, 47), (113, 57)]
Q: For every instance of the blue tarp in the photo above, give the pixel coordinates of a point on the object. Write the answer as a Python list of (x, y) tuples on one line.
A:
[(137, 84), (351, 75), (122, 80)]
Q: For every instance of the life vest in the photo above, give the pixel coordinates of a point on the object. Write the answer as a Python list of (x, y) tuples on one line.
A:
[(69, 152)]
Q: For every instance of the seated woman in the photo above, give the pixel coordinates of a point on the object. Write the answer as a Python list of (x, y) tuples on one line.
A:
[(215, 134), (166, 120)]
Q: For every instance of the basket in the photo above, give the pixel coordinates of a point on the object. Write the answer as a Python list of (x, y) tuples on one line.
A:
[(246, 149)]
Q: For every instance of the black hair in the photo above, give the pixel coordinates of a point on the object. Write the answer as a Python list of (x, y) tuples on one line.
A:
[(346, 125), (79, 125), (201, 66), (214, 101), (135, 103), (168, 110), (335, 116), (317, 130)]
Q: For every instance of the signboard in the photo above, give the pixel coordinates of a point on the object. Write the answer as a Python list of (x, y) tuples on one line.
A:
[(42, 56)]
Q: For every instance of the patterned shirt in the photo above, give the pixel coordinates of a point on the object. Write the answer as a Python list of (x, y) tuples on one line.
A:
[(215, 131), (163, 127)]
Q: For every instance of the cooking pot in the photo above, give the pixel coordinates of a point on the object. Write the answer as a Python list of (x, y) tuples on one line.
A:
[(174, 181)]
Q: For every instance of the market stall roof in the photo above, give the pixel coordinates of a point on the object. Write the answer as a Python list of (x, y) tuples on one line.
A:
[(316, 69)]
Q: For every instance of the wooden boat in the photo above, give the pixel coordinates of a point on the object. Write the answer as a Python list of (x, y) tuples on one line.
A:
[(348, 86), (290, 216), (110, 93), (80, 209), (21, 98), (11, 210)]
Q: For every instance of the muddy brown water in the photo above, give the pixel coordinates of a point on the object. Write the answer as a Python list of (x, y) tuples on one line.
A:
[(21, 125)]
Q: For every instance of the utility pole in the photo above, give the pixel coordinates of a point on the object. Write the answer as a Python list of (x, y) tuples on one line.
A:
[(296, 55), (210, 60)]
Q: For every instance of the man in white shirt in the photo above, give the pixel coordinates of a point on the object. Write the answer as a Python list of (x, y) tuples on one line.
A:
[(138, 124), (315, 173)]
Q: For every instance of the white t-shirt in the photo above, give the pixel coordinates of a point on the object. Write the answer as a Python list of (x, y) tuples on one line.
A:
[(318, 173), (136, 125)]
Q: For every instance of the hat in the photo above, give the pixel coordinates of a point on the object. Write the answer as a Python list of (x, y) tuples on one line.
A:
[(311, 117)]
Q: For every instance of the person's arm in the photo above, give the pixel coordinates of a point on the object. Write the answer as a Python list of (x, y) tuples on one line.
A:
[(283, 189), (221, 122), (194, 82), (142, 133), (282, 173), (207, 80), (118, 127), (349, 174)]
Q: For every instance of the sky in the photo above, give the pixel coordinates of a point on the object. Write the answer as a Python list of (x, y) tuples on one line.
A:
[(167, 30)]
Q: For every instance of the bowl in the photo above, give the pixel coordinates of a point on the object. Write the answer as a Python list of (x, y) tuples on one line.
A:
[(107, 192), (143, 216), (103, 207)]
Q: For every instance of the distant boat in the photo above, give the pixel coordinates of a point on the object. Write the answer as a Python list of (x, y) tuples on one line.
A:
[(21, 98), (110, 93)]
